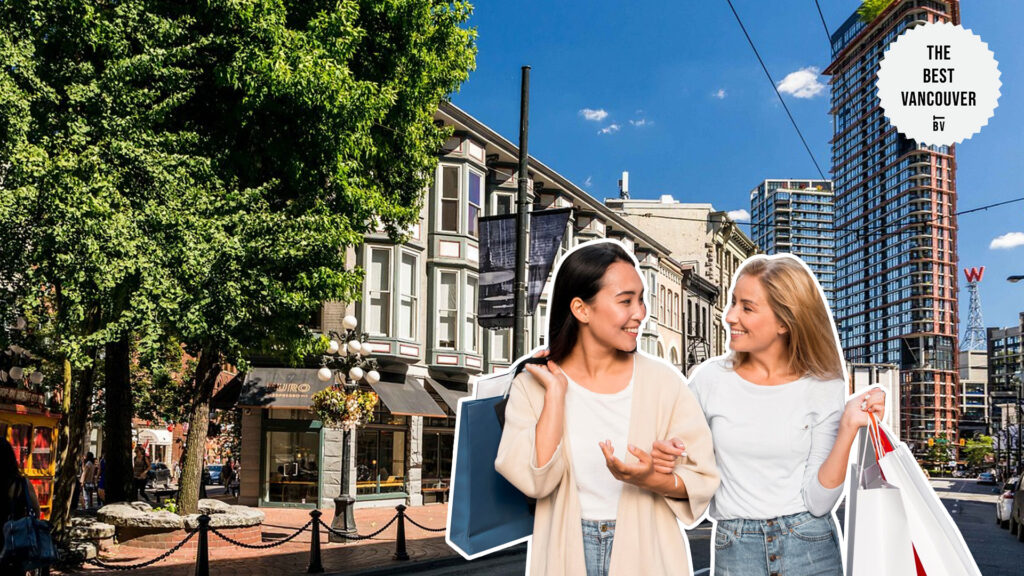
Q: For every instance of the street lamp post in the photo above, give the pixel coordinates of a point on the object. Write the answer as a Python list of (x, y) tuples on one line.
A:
[(346, 362)]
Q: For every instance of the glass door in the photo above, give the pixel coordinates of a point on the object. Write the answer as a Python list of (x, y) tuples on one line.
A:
[(292, 467)]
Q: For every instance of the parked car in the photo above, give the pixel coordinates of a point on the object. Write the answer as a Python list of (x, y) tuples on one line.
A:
[(986, 478), (159, 475), (1004, 503), (1017, 511), (213, 471)]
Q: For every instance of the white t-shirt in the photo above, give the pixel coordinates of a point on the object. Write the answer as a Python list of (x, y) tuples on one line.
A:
[(591, 418), (769, 441)]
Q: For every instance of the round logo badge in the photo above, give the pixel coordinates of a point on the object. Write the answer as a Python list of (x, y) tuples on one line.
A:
[(938, 84)]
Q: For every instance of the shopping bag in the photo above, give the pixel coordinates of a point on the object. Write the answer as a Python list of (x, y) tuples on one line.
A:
[(485, 512), (878, 537), (27, 541), (937, 541)]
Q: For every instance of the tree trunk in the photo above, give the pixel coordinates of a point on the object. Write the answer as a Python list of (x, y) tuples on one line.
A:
[(199, 422), (69, 443), (117, 425)]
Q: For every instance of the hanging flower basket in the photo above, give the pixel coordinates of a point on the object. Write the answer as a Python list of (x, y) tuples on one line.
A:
[(339, 408)]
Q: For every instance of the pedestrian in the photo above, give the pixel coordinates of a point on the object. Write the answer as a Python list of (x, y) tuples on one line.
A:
[(578, 418), (101, 483), (782, 427), (89, 478), (140, 472), (227, 473), (13, 502)]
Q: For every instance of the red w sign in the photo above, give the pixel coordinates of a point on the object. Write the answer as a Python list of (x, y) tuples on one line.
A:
[(974, 274)]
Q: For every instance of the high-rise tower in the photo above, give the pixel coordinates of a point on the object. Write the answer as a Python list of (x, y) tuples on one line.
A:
[(895, 203), (796, 216)]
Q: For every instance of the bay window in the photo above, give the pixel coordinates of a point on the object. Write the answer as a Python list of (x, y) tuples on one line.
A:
[(378, 282), (460, 191), (447, 309), (456, 327), (408, 296)]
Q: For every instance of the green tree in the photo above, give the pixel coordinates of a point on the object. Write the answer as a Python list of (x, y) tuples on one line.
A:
[(976, 450), (870, 9), (204, 169)]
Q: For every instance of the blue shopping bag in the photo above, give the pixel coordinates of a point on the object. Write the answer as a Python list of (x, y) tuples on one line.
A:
[(485, 512)]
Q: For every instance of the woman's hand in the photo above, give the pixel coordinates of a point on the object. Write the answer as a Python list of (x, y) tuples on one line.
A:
[(857, 409), (549, 375), (637, 474), (665, 454)]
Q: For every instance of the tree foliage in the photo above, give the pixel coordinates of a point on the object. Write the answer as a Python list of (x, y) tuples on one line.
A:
[(194, 172), (976, 450), (870, 9)]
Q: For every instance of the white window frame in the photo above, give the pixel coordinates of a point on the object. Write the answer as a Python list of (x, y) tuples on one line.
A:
[(469, 314), (439, 273), (442, 200), (387, 293), (413, 298)]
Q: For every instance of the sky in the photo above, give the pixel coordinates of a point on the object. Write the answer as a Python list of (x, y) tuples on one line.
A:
[(672, 93)]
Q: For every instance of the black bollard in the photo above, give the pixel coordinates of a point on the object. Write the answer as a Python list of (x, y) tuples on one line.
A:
[(315, 565), (400, 553), (203, 552)]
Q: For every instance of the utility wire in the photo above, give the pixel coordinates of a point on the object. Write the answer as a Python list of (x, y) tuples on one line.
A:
[(860, 229), (777, 93), (828, 35)]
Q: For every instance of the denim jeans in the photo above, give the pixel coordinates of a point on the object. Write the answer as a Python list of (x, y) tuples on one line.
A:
[(597, 545), (795, 545)]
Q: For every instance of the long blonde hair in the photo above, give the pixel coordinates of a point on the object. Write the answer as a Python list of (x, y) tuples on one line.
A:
[(797, 302)]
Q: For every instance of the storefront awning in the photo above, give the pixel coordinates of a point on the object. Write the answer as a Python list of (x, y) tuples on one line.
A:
[(407, 398), (155, 436), (449, 393), (280, 387)]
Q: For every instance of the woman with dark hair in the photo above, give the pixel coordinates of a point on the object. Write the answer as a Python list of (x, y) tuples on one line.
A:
[(13, 499), (602, 508)]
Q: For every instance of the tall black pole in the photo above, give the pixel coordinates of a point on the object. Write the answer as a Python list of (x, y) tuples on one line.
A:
[(522, 220)]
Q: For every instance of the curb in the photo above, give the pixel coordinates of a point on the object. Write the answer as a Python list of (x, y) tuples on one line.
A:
[(434, 563)]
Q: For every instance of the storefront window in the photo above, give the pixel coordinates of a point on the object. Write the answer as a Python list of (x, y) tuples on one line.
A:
[(20, 437), (380, 461), (438, 447), (292, 467)]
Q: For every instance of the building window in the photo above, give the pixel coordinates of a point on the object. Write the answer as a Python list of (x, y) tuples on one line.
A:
[(470, 334), (661, 304), (475, 200), (501, 345), (676, 311), (447, 309), (408, 296), (503, 204), (449, 198), (378, 282)]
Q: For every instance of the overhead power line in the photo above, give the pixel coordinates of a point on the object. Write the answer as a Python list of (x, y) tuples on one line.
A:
[(777, 93)]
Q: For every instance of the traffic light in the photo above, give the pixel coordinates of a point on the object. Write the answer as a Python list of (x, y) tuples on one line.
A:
[(963, 442)]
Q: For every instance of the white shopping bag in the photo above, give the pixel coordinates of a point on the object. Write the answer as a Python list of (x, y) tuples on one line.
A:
[(937, 540), (878, 536)]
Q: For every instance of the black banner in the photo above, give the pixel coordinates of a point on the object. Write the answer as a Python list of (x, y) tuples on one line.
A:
[(496, 306)]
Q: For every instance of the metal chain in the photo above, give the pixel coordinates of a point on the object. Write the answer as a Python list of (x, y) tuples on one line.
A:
[(123, 567), (357, 536), (422, 527), (261, 546)]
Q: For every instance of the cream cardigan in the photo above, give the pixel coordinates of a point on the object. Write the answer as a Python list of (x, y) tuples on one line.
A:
[(647, 537)]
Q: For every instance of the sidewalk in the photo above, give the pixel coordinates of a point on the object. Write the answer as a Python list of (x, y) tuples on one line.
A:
[(375, 555)]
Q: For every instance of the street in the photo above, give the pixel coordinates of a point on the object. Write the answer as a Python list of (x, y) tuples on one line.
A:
[(971, 505)]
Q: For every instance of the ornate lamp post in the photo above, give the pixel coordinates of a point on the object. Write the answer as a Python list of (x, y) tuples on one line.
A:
[(342, 405)]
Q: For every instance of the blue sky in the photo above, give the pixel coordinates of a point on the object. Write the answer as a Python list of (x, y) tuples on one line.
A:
[(681, 102)]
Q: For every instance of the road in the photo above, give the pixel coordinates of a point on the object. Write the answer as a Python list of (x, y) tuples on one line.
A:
[(971, 505)]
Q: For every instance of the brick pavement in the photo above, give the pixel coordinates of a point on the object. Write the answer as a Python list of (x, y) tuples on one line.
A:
[(293, 557)]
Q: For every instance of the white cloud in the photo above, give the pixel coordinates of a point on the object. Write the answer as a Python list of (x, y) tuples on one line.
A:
[(594, 115), (588, 182), (609, 129), (802, 84), (720, 94), (640, 123), (740, 215), (1007, 241)]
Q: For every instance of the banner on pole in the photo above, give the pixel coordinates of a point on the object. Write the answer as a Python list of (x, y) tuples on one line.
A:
[(496, 306)]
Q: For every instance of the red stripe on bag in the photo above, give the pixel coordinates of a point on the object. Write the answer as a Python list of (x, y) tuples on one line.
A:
[(880, 441)]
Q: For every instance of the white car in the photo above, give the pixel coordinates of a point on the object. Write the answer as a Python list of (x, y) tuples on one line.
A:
[(1005, 503)]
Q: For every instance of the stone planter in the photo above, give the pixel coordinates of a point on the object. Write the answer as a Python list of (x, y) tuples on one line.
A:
[(137, 525)]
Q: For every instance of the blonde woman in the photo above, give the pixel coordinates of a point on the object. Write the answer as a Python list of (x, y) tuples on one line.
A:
[(577, 424), (781, 426)]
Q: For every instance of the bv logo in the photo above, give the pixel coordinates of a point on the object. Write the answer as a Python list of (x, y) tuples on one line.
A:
[(974, 274)]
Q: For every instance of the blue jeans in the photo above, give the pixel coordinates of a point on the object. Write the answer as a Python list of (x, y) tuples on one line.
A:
[(795, 545), (597, 545)]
